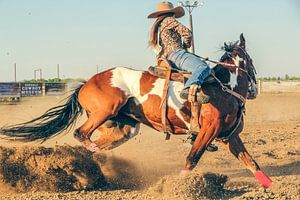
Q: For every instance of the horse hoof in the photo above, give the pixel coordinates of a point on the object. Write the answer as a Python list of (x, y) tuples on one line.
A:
[(92, 147), (184, 172)]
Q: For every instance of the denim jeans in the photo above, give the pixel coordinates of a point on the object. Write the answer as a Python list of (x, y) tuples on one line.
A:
[(183, 60)]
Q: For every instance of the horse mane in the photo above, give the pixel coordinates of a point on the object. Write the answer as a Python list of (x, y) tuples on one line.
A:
[(230, 46), (220, 71)]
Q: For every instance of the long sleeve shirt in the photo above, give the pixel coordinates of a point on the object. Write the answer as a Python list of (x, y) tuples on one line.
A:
[(172, 36)]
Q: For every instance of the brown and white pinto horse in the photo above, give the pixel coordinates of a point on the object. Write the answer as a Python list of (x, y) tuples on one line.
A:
[(119, 99)]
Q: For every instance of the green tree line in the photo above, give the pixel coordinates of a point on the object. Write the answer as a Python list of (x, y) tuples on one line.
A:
[(285, 78), (55, 80)]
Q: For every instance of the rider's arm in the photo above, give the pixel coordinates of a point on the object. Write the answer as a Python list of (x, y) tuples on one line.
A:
[(185, 33)]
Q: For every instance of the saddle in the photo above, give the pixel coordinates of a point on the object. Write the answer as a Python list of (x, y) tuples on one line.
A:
[(165, 71)]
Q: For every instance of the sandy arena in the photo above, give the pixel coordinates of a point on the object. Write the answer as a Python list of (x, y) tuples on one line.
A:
[(147, 167)]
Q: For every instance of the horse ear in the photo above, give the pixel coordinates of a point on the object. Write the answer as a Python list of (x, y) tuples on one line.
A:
[(242, 41)]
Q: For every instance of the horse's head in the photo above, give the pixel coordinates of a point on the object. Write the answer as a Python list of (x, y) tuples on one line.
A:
[(241, 64)]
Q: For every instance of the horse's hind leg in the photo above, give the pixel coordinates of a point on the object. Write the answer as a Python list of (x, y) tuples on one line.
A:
[(97, 115), (237, 148), (116, 131), (102, 102), (83, 133)]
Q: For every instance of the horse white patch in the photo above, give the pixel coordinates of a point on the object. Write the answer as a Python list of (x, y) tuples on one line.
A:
[(128, 80), (234, 75), (237, 60), (233, 79), (174, 100)]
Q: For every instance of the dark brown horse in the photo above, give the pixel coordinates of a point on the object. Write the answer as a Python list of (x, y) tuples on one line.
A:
[(119, 99)]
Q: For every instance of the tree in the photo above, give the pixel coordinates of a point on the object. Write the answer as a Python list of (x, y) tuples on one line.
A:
[(287, 77)]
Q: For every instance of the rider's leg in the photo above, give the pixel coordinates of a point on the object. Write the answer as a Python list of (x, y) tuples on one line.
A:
[(200, 70), (199, 73)]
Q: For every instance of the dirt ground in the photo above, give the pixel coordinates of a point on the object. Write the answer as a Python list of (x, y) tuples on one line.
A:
[(147, 167)]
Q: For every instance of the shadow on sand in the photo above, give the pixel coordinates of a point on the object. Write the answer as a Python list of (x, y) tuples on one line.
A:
[(280, 170)]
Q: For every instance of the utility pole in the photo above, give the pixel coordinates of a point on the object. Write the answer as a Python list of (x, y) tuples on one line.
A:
[(15, 71), (38, 70), (97, 68), (190, 7), (41, 77), (58, 72)]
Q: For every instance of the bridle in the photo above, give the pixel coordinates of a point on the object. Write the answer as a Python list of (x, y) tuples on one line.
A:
[(250, 76), (233, 66)]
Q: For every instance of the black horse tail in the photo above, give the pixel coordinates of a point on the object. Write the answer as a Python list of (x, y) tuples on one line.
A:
[(51, 123)]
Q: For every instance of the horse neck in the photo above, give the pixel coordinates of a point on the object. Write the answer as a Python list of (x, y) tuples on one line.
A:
[(236, 80)]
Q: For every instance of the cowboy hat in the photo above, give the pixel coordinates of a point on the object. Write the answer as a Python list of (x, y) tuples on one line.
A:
[(167, 7)]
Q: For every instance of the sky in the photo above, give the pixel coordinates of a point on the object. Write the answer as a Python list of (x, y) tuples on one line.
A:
[(79, 35)]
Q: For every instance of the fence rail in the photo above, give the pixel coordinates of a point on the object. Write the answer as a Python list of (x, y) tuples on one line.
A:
[(278, 86)]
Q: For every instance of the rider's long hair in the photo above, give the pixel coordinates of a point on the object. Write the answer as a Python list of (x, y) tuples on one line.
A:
[(154, 30)]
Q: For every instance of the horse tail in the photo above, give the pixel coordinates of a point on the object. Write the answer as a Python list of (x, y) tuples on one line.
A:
[(51, 123)]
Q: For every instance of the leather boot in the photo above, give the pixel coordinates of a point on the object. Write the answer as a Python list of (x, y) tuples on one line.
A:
[(200, 97)]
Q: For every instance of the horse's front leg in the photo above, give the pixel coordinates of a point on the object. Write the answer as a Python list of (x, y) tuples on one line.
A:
[(207, 134), (237, 148)]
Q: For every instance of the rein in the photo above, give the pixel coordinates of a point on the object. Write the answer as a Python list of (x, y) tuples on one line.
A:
[(226, 65), (226, 89)]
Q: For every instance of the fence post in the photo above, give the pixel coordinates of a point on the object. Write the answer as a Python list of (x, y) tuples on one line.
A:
[(258, 87), (43, 89)]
